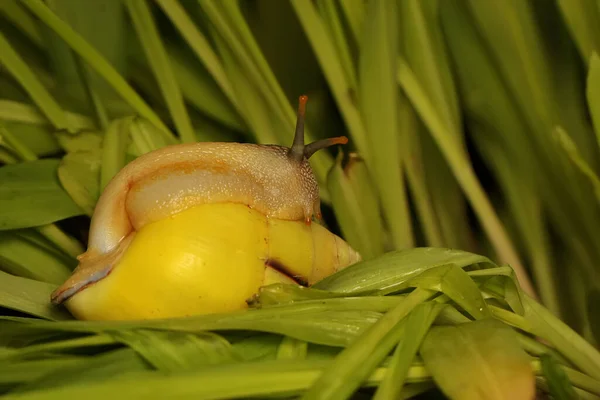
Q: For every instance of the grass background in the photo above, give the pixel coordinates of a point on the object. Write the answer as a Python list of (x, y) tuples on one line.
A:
[(473, 125)]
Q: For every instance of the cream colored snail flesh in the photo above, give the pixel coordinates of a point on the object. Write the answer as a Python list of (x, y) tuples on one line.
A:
[(199, 228)]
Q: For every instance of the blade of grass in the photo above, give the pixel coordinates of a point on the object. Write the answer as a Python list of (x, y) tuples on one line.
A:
[(19, 112), (22, 255), (378, 99), (25, 76), (79, 174), (331, 16), (583, 21), (175, 351), (200, 45), (334, 72), (463, 171), (416, 176), (353, 365), (31, 195), (417, 325), (572, 152), (230, 24), (29, 296), (356, 207), (593, 93), (292, 349), (26, 24), (157, 57), (114, 149), (354, 11), (558, 381), (94, 60)]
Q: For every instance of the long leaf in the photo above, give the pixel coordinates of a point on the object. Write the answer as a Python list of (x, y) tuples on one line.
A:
[(31, 195)]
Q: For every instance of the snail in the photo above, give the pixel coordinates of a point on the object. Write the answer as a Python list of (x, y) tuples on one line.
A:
[(198, 228)]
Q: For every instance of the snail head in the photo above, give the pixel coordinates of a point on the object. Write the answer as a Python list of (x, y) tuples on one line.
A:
[(299, 151)]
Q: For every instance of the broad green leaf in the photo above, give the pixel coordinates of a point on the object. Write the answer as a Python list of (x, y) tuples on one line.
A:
[(356, 206), (79, 174), (417, 325), (378, 101), (25, 254), (354, 364), (394, 268), (158, 59), (478, 360), (30, 297), (176, 351), (31, 195), (40, 95), (558, 381)]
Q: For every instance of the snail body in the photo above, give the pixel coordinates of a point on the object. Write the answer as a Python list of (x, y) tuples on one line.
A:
[(198, 228)]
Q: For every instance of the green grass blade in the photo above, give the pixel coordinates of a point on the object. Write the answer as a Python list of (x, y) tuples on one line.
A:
[(175, 351), (354, 11), (29, 296), (22, 254), (25, 76), (558, 381), (19, 112), (199, 44), (417, 325), (378, 99), (563, 338), (583, 21), (114, 149), (156, 56), (478, 360), (31, 195), (79, 175), (394, 268), (416, 176), (332, 17), (463, 170), (353, 365), (145, 137), (292, 349), (230, 24), (24, 21), (356, 207), (572, 152), (15, 144), (593, 93), (94, 60), (315, 30)]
